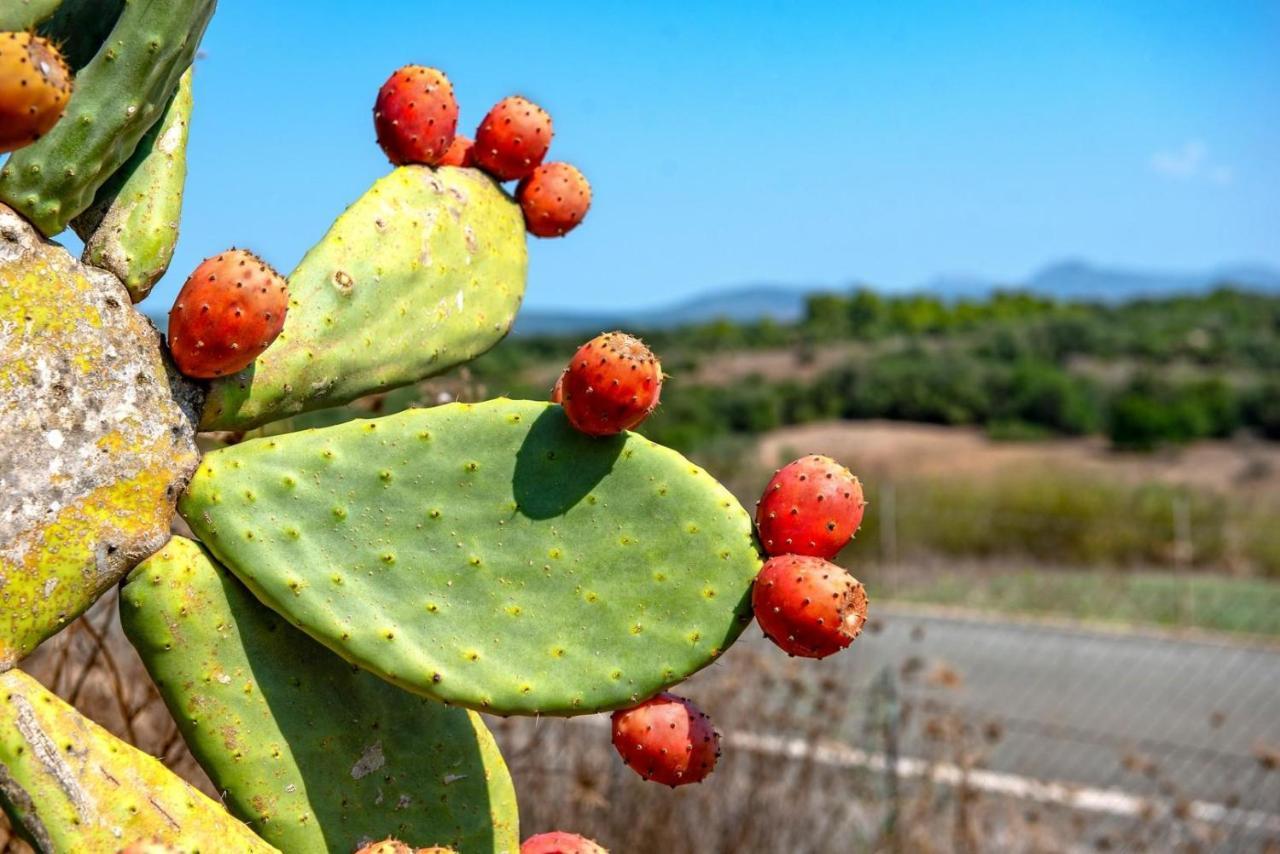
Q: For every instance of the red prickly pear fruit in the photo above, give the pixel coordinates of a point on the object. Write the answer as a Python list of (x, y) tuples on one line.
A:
[(612, 384), (416, 115), (807, 606), (459, 153), (560, 842), (513, 138), (229, 311), (557, 391), (35, 84), (554, 198), (389, 845), (812, 506), (666, 739)]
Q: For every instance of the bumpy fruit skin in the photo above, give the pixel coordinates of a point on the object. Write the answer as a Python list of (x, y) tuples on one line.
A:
[(560, 842), (416, 115), (667, 739), (554, 199), (459, 153), (513, 138), (812, 506), (612, 384), (386, 846), (228, 312), (807, 606), (149, 847), (35, 84)]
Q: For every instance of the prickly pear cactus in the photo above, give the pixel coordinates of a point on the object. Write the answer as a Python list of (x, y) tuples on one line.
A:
[(486, 556), (314, 754), (72, 786)]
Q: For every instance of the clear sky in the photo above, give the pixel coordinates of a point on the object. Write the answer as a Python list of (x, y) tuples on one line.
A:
[(789, 142)]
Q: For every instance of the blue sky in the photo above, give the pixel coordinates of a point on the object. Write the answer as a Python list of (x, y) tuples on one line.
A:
[(799, 143)]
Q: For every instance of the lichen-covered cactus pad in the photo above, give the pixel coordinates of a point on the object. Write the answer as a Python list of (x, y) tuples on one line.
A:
[(94, 443), (424, 272), (316, 755), (72, 786), (487, 555)]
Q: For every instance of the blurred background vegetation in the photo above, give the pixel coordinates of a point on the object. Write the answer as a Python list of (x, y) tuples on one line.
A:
[(1018, 451)]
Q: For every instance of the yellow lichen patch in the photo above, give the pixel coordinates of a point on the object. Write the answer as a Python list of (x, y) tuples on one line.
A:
[(75, 787), (60, 573), (96, 448)]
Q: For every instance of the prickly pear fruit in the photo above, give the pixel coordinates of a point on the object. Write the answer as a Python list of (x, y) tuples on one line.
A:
[(560, 842), (416, 115), (229, 311), (554, 199), (807, 606), (666, 739), (149, 847), (612, 384), (812, 506), (557, 391), (35, 84), (513, 138), (459, 153), (386, 846)]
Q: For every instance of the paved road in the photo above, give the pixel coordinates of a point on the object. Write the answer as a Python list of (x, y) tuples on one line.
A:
[(1157, 716)]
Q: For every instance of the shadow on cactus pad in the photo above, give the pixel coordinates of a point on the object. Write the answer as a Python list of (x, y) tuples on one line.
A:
[(314, 754), (487, 555)]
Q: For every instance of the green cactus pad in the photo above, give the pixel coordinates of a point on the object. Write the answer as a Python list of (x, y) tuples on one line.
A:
[(132, 227), (487, 555), (422, 273), (118, 96), (19, 15), (72, 786), (314, 754)]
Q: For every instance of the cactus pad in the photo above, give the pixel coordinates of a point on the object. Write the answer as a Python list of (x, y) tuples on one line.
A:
[(487, 555), (132, 227), (118, 96), (72, 786), (422, 273), (314, 754)]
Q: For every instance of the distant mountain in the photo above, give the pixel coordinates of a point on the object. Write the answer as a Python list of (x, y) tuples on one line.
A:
[(1081, 280), (745, 304)]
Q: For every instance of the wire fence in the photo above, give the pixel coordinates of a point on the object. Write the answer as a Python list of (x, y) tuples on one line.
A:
[(936, 731)]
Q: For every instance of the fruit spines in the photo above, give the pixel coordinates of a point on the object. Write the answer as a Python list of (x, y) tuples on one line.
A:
[(667, 739), (415, 115), (229, 311), (808, 606), (513, 138), (611, 384), (132, 227), (554, 199), (35, 85), (118, 97), (812, 506)]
